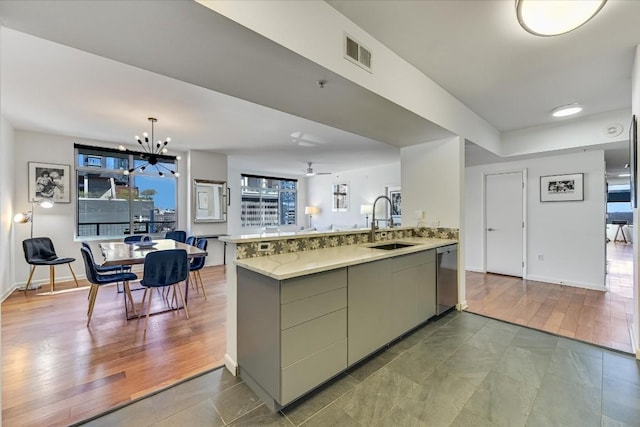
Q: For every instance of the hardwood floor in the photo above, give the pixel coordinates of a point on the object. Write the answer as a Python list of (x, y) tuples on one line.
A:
[(57, 371), (602, 318)]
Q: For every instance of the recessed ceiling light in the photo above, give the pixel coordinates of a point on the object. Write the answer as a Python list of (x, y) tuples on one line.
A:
[(566, 110), (555, 17)]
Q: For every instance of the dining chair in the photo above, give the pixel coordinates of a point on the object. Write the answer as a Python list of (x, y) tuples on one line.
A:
[(191, 240), (177, 235), (161, 269), (106, 268), (97, 279), (40, 251), (197, 264)]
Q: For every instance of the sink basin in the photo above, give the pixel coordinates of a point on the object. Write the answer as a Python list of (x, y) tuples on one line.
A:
[(392, 246)]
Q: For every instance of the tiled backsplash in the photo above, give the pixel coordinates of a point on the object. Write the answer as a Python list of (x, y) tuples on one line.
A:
[(310, 242)]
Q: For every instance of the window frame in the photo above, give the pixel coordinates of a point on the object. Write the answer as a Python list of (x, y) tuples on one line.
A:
[(131, 156), (260, 192)]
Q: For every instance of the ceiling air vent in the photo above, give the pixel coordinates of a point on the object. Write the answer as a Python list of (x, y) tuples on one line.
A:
[(356, 53)]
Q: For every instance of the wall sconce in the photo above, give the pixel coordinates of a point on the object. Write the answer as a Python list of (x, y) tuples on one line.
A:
[(311, 210), (25, 217), (366, 210)]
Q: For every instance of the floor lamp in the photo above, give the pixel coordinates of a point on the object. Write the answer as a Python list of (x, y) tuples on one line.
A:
[(25, 217)]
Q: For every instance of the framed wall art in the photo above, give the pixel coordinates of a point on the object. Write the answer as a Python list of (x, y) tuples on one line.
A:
[(340, 202), (395, 195), (562, 188), (49, 181)]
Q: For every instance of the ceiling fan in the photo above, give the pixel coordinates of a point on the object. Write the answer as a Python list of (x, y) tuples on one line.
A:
[(311, 172)]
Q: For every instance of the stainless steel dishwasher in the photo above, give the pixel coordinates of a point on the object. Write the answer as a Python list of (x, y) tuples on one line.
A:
[(446, 278)]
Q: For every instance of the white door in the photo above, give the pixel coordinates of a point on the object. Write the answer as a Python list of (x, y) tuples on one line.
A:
[(505, 224)]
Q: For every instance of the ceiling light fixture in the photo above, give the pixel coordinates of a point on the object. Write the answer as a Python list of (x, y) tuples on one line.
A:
[(554, 17), (152, 152), (566, 110), (624, 175)]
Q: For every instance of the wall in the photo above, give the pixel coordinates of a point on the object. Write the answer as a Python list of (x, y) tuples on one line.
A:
[(431, 183), (7, 255), (569, 235), (635, 107), (364, 186), (211, 166), (234, 225)]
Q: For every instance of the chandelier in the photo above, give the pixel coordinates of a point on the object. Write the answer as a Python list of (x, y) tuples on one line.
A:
[(152, 153)]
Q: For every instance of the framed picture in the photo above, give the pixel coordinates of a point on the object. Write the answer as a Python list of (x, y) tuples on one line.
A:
[(562, 188), (49, 181), (210, 200), (633, 164), (395, 195), (340, 197)]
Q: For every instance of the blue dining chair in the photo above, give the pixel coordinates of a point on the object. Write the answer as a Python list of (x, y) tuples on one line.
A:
[(164, 268), (97, 279), (40, 251), (177, 235), (191, 240), (197, 264), (106, 268)]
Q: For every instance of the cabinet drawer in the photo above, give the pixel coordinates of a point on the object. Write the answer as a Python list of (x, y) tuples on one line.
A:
[(312, 371), (310, 337), (314, 284), (412, 260), (310, 308)]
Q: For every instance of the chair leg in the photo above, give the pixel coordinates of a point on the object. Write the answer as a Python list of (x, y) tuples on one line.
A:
[(92, 302), (127, 290), (201, 284), (144, 295), (52, 277), (148, 309), (74, 275), (89, 297), (26, 288), (184, 303)]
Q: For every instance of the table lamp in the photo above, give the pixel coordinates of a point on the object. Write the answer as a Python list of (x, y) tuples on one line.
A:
[(311, 210)]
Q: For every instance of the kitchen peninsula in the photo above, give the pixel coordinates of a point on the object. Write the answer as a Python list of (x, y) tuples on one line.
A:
[(310, 306)]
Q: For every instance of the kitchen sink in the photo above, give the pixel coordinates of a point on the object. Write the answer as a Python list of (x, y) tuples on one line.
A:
[(392, 246)]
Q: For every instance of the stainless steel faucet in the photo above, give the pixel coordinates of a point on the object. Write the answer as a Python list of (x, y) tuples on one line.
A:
[(373, 218)]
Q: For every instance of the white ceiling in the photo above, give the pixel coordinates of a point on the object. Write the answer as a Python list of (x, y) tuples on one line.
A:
[(475, 50)]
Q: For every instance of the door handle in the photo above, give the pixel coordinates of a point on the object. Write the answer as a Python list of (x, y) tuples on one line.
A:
[(491, 229)]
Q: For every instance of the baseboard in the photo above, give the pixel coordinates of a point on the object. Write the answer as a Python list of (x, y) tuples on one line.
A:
[(462, 306), (45, 282), (555, 281), (634, 345), (475, 270), (231, 365)]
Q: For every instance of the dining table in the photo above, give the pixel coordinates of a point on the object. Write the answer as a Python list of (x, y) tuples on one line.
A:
[(121, 253)]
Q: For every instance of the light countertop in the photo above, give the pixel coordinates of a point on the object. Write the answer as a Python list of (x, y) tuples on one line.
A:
[(287, 266)]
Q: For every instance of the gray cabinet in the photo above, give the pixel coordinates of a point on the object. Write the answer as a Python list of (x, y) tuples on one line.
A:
[(388, 298), (292, 334), (368, 315), (296, 334)]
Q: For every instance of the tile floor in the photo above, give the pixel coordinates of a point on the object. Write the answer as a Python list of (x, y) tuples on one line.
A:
[(460, 370)]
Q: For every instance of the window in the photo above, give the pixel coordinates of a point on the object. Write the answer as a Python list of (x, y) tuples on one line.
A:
[(267, 201), (112, 203), (619, 203)]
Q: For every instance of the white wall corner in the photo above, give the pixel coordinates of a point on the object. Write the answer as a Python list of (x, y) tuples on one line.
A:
[(231, 365)]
